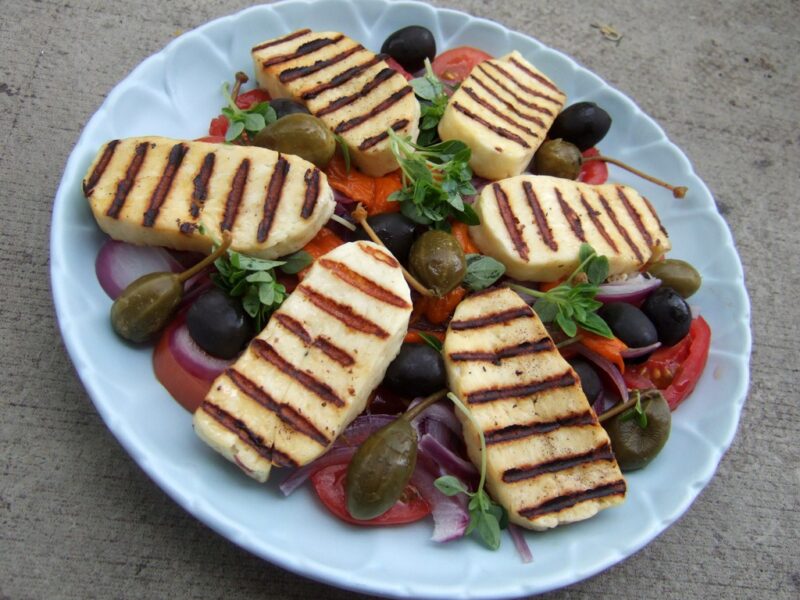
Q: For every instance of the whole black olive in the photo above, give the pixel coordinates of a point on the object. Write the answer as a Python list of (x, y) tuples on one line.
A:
[(590, 381), (218, 324), (395, 230), (629, 324), (417, 370), (583, 124), (287, 106), (670, 314), (410, 46), (557, 158)]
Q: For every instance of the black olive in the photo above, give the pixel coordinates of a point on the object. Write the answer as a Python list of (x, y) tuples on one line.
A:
[(670, 314), (218, 324), (629, 324), (417, 371), (583, 124), (590, 380), (395, 230), (410, 46), (287, 106)]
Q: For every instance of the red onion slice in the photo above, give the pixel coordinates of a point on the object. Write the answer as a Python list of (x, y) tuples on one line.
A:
[(192, 357), (334, 456), (448, 461), (519, 543), (641, 351), (632, 290), (361, 428), (450, 514), (440, 412), (607, 367), (119, 264)]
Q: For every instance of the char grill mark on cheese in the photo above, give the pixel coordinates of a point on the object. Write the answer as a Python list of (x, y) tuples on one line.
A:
[(564, 501), (655, 216), (635, 216), (379, 255), (501, 131), (497, 112), (520, 86), (274, 191), (497, 356), (510, 106), (285, 412), (267, 352), (299, 72), (100, 168), (523, 312), (536, 76), (311, 179), (520, 431), (342, 101), (329, 348), (601, 453), (527, 103), (376, 139), (622, 231), (124, 187), (571, 216), (200, 183), (305, 49), (235, 196), (287, 38), (164, 184), (341, 78), (542, 225), (593, 214), (358, 281), (342, 313), (521, 390), (510, 221), (393, 99)]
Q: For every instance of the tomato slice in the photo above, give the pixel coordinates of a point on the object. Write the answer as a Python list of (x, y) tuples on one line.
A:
[(218, 126), (189, 390), (594, 172), (328, 482), (453, 66), (249, 99), (393, 64)]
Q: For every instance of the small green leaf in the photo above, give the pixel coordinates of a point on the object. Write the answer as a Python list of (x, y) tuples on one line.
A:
[(254, 122), (345, 150), (423, 88), (597, 271), (595, 323), (266, 294), (482, 271), (294, 263), (585, 252), (260, 277), (567, 325), (450, 485), (489, 530), (234, 131), (546, 310), (256, 264), (432, 341), (250, 302)]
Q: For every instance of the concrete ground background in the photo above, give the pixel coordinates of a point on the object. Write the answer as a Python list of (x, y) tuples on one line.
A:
[(78, 519)]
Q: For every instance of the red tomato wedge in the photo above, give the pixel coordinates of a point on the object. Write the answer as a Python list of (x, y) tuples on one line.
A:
[(393, 64), (218, 126), (594, 172), (328, 482), (453, 66), (189, 390), (249, 99)]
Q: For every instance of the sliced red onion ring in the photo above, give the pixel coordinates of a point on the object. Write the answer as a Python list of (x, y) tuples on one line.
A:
[(440, 412), (334, 456), (192, 357), (361, 428), (342, 199), (519, 543), (607, 367), (448, 461), (641, 351), (450, 514), (119, 264), (632, 290)]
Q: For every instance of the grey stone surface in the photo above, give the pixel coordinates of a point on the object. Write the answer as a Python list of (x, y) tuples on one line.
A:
[(78, 519)]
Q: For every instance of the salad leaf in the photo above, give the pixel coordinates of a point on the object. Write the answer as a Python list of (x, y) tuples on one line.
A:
[(294, 263), (249, 121), (433, 102), (431, 340), (482, 271)]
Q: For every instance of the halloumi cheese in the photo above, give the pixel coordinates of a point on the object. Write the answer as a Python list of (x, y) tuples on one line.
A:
[(548, 459), (535, 225), (502, 111), (158, 191), (352, 90), (309, 373)]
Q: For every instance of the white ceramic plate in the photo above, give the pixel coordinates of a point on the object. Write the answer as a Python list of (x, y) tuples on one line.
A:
[(175, 93)]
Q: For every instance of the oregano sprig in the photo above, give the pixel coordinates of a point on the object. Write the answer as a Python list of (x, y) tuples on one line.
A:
[(251, 120), (433, 102)]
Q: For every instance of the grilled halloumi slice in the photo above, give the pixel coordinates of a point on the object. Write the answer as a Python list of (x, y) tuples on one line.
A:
[(548, 459), (502, 111), (158, 191), (309, 373), (535, 225), (352, 90)]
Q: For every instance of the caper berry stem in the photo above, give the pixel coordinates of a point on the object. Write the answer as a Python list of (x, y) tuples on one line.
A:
[(360, 215), (241, 78), (208, 260), (618, 409), (677, 191), (413, 413)]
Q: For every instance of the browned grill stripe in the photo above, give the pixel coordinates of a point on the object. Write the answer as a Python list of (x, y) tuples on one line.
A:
[(623, 232), (545, 232), (296, 73), (524, 348), (517, 97), (358, 281), (559, 464), (200, 182), (164, 184), (518, 432), (325, 345), (593, 215), (510, 221), (635, 216), (379, 255), (312, 384), (311, 179), (509, 77), (501, 131), (249, 437), (495, 111), (376, 110), (235, 196), (274, 190), (566, 379), (187, 228), (512, 107), (100, 167), (655, 216), (571, 216), (341, 78), (569, 500), (523, 312), (342, 101), (343, 313), (125, 185), (541, 79), (303, 50), (286, 413), (376, 139), (281, 40)]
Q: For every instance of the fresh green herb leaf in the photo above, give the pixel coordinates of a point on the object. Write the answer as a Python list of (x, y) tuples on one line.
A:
[(249, 121), (482, 271), (345, 150), (637, 412), (296, 262), (450, 485), (433, 101), (432, 341)]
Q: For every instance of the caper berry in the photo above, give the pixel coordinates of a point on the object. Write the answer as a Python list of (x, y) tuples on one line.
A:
[(146, 305), (300, 134), (634, 446), (437, 260), (677, 274), (557, 158)]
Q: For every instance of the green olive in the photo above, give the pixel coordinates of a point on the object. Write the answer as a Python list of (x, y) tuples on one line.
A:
[(677, 274), (145, 306), (437, 260), (380, 470), (300, 134), (633, 445), (557, 158)]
